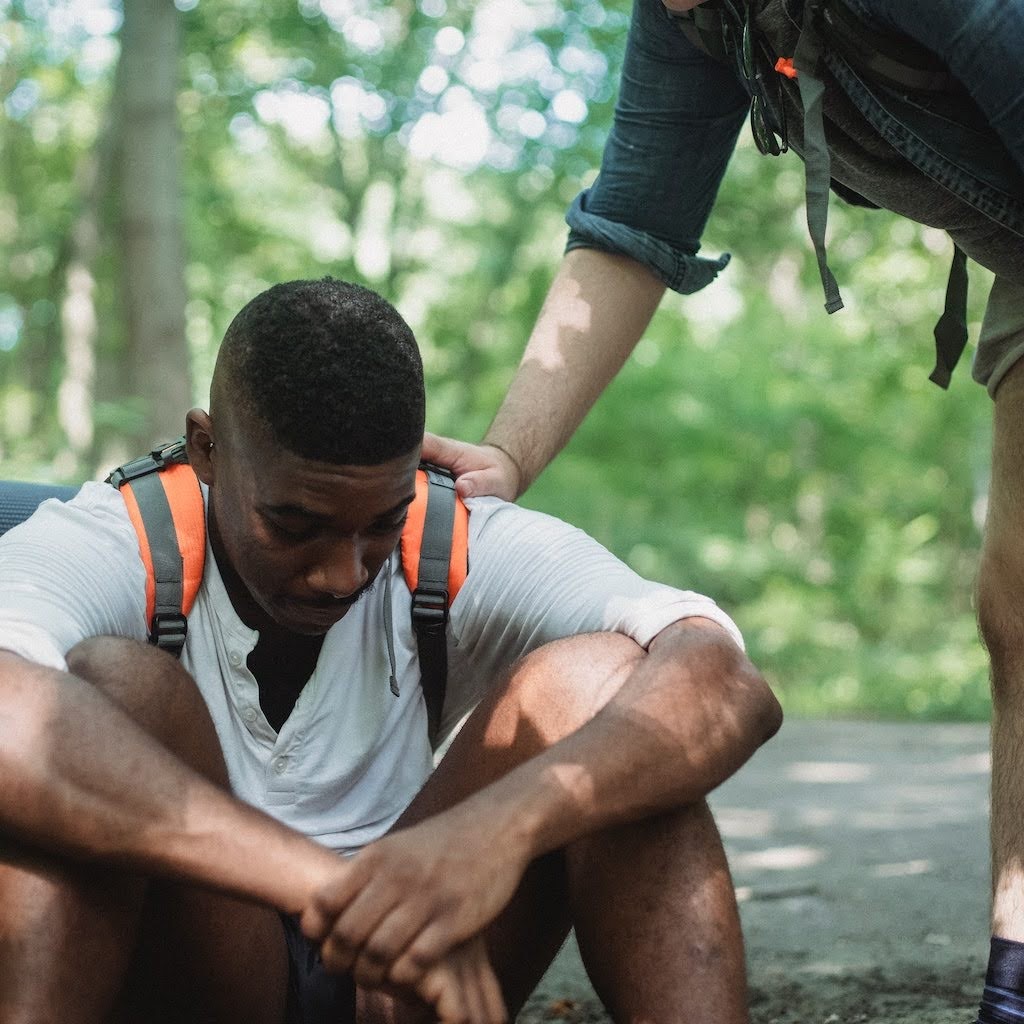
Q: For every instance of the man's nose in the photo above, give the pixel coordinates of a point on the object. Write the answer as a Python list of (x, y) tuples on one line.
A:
[(339, 569)]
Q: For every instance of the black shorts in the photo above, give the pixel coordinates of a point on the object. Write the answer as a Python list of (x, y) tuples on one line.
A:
[(314, 996)]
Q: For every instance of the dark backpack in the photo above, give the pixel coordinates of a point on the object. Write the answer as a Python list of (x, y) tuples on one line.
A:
[(891, 61)]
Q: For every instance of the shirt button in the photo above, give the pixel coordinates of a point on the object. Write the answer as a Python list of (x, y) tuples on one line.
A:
[(250, 715), (235, 658), (280, 764)]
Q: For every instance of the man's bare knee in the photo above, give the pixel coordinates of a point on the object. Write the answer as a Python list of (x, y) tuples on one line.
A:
[(156, 692), (563, 684), (1001, 617)]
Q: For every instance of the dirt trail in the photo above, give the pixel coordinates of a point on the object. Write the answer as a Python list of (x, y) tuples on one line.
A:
[(860, 855)]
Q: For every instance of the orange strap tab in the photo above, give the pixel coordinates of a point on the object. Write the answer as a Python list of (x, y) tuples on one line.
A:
[(412, 540), (784, 66), (181, 485)]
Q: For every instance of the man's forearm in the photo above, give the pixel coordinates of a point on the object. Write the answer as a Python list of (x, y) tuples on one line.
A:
[(79, 777), (595, 312)]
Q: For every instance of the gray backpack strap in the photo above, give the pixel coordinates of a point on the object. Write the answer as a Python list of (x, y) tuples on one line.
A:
[(807, 60), (168, 626), (430, 600), (887, 57), (951, 330)]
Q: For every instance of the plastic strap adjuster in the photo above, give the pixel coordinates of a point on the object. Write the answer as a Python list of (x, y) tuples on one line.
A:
[(168, 631), (430, 608), (168, 454)]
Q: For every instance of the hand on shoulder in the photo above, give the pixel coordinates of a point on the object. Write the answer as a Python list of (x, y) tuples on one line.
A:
[(480, 469)]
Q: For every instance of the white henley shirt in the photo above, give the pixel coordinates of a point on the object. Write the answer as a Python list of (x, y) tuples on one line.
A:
[(351, 755)]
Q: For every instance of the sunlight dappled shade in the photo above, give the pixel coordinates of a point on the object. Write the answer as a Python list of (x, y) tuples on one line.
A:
[(778, 858), (904, 870), (745, 822), (828, 771)]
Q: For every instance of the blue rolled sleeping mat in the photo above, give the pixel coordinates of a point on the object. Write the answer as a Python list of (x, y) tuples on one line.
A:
[(19, 500)]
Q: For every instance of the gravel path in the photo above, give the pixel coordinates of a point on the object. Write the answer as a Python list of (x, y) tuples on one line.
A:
[(860, 855)]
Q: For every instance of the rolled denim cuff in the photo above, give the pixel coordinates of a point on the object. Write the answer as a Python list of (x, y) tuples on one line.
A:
[(681, 271)]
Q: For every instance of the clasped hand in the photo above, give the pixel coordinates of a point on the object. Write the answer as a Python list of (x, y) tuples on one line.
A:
[(408, 912)]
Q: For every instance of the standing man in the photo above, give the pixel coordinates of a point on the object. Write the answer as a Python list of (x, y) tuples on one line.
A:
[(913, 106), (170, 831)]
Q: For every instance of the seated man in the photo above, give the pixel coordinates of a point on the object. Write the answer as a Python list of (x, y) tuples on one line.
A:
[(170, 831)]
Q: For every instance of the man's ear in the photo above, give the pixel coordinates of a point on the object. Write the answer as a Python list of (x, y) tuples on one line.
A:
[(199, 443)]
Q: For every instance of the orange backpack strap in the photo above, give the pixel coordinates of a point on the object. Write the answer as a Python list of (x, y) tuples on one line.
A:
[(435, 560), (165, 504)]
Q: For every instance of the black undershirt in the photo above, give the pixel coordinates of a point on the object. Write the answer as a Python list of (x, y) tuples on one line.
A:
[(282, 664)]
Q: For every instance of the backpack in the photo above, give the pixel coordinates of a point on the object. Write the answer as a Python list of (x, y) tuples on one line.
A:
[(165, 504), (897, 64)]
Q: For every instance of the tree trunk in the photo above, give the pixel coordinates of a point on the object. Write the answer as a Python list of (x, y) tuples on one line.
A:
[(151, 230), (79, 321)]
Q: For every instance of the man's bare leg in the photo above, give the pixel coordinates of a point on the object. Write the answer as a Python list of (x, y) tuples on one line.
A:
[(657, 922), (1001, 618), (69, 930), (653, 902), (62, 938)]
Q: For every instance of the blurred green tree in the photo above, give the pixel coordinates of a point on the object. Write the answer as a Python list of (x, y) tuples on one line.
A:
[(799, 467)]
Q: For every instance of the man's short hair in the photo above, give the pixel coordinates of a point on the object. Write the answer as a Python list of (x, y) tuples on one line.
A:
[(330, 368)]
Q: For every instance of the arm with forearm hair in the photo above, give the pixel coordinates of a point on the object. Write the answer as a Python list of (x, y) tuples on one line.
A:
[(595, 312)]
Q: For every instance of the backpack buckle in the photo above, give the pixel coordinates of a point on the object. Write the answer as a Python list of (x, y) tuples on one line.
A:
[(430, 609), (168, 631), (169, 454)]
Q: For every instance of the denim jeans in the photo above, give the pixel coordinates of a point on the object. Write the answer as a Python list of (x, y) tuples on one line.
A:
[(679, 113), (980, 43), (677, 118)]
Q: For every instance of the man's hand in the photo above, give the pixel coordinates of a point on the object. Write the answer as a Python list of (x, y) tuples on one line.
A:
[(462, 988), (404, 902), (480, 468)]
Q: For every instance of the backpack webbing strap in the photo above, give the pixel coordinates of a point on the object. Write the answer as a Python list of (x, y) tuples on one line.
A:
[(951, 330), (886, 57), (167, 626), (430, 599), (817, 162), (165, 505), (703, 26)]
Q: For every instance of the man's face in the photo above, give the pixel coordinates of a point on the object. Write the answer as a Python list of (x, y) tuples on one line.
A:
[(297, 541)]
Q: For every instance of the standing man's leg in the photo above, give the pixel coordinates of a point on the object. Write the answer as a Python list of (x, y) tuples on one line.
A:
[(71, 934), (1001, 618)]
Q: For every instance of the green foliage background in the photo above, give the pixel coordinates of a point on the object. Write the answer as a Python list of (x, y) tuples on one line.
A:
[(798, 467)]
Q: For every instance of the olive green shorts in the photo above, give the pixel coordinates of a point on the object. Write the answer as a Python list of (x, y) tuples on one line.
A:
[(1001, 342)]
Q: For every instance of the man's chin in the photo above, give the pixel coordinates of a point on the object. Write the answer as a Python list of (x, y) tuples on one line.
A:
[(311, 618), (307, 619)]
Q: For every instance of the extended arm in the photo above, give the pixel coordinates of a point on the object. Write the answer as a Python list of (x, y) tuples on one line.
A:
[(595, 312), (636, 230), (690, 712)]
